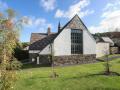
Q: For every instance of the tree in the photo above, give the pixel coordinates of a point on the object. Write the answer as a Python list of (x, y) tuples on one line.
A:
[(9, 38), (54, 74), (20, 54), (107, 65)]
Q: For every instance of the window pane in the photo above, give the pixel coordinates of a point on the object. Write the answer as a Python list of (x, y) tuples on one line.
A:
[(76, 41)]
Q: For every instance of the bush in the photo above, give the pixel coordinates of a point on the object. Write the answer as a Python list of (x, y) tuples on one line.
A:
[(14, 65), (21, 54)]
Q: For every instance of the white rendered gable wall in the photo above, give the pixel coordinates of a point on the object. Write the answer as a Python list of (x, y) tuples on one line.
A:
[(46, 50), (62, 43), (89, 44)]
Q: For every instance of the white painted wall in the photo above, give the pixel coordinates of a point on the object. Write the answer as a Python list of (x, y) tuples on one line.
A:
[(102, 49), (89, 44), (46, 50), (62, 43), (38, 60), (34, 51)]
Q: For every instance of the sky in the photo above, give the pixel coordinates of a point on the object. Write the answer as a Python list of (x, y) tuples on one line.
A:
[(98, 15)]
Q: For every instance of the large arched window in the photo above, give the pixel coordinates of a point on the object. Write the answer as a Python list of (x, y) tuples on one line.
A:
[(76, 41)]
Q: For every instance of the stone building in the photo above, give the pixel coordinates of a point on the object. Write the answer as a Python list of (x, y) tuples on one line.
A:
[(72, 44)]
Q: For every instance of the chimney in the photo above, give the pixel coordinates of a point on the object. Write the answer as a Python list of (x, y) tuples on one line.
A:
[(49, 31)]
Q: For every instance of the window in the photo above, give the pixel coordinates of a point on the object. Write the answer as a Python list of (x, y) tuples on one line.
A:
[(76, 41)]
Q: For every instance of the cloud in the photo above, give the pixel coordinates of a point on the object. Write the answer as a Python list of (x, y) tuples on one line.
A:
[(38, 24), (48, 5), (3, 6), (110, 18), (76, 8)]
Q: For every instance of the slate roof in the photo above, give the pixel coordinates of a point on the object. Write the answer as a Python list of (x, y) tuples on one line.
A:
[(37, 36), (98, 39), (107, 39), (104, 39), (42, 43)]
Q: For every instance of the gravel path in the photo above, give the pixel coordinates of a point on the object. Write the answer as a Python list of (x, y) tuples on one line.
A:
[(110, 58)]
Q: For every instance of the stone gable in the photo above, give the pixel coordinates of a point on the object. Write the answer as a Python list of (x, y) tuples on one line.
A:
[(75, 23)]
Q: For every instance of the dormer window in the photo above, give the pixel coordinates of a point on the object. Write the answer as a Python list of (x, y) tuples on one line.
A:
[(76, 41)]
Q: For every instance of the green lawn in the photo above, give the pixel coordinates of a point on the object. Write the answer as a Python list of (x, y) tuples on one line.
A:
[(79, 77)]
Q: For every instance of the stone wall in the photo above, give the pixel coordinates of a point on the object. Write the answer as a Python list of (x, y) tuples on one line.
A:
[(114, 50), (74, 59), (33, 56), (66, 60), (45, 59)]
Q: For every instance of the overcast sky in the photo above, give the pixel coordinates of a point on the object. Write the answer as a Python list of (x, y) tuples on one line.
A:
[(98, 15)]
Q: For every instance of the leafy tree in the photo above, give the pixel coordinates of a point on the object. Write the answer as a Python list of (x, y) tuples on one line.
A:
[(25, 44), (9, 32)]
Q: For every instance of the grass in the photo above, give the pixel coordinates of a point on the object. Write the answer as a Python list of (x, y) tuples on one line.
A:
[(79, 77)]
